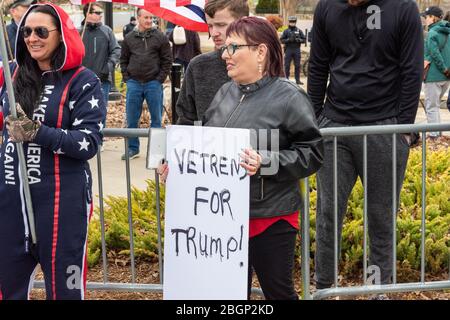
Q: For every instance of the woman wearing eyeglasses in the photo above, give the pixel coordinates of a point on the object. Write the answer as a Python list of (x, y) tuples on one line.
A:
[(259, 97), (60, 116)]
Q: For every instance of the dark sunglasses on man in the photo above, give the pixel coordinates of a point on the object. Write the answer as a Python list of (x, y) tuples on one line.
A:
[(99, 13), (41, 32)]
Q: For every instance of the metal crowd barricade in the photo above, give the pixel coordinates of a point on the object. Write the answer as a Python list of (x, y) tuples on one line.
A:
[(372, 289), (305, 227)]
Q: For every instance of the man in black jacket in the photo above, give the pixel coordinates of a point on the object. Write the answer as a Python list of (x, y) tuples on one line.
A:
[(145, 64), (292, 38), (372, 53), (100, 43), (129, 27)]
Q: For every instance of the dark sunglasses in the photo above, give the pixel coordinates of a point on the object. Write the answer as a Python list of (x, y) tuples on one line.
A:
[(99, 13), (231, 48), (41, 32)]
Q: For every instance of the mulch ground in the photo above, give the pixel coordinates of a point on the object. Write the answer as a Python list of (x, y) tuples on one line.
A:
[(119, 271)]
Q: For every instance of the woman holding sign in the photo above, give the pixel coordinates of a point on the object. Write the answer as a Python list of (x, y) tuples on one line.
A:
[(259, 97), (60, 112)]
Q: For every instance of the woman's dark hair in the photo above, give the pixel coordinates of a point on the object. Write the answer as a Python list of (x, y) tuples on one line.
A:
[(259, 31), (28, 81)]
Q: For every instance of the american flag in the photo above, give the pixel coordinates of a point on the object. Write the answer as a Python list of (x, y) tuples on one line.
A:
[(186, 13)]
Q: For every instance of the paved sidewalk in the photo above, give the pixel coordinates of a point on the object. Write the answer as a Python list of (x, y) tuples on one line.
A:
[(114, 169)]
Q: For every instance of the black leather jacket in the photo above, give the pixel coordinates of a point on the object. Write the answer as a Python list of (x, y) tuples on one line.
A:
[(272, 103)]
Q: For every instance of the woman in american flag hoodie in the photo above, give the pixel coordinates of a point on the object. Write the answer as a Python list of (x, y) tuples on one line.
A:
[(60, 118)]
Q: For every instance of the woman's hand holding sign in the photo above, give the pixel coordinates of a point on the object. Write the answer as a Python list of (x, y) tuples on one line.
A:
[(163, 171), (251, 161)]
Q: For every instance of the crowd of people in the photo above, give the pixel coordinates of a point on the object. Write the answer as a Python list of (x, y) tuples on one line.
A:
[(359, 75)]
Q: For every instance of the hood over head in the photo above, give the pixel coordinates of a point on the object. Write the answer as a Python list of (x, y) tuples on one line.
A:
[(74, 47)]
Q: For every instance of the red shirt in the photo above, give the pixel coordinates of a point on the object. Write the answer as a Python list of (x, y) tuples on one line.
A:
[(259, 225)]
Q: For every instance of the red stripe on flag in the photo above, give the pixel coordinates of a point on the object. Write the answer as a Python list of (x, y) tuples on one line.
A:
[(58, 187), (146, 3), (181, 3), (179, 19)]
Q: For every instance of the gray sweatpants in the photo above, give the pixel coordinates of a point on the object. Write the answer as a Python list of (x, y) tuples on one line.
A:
[(379, 189), (434, 91)]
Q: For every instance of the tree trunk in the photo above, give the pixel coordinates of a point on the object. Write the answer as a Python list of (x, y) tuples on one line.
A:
[(422, 4), (288, 8)]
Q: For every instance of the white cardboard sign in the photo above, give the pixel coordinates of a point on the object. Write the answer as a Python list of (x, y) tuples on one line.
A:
[(206, 215)]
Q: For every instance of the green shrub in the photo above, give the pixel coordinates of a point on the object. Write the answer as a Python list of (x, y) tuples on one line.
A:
[(117, 237), (409, 218), (267, 6)]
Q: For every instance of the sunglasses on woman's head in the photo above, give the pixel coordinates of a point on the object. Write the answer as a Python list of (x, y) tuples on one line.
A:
[(41, 32)]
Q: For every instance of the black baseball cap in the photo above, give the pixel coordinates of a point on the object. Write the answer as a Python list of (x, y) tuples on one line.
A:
[(25, 3), (433, 11)]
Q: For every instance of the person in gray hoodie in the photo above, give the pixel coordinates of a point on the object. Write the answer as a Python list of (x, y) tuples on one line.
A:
[(102, 48)]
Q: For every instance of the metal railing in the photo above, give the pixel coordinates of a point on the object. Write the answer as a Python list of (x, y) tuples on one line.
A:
[(305, 227), (366, 289)]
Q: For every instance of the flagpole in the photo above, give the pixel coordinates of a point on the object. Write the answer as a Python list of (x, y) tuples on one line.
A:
[(84, 25), (19, 145), (8, 42)]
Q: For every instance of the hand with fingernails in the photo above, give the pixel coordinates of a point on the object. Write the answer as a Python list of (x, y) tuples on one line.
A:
[(251, 161), (163, 171)]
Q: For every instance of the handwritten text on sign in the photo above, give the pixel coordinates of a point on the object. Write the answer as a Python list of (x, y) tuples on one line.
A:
[(207, 213)]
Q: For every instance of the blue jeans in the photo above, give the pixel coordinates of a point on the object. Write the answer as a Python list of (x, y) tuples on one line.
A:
[(106, 87), (152, 91)]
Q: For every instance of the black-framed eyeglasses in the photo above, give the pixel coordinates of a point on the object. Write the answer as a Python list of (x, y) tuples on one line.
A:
[(232, 47), (99, 13), (41, 32)]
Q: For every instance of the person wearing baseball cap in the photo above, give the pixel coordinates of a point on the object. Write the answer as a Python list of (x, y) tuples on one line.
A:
[(433, 11), (436, 64), (292, 38), (17, 9)]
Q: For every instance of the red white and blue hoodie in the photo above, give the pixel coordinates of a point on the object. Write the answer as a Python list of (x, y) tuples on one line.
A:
[(72, 113)]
